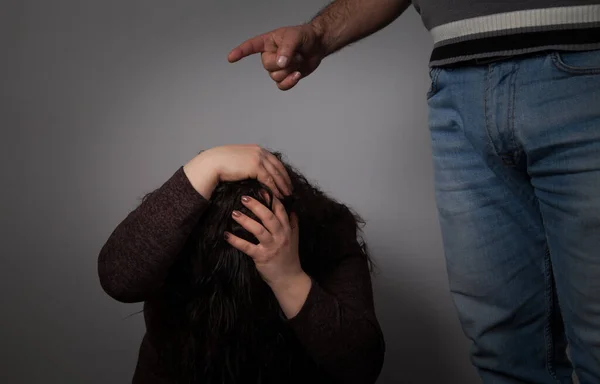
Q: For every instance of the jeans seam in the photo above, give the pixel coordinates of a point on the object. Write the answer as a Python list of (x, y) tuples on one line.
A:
[(574, 71), (486, 91), (549, 314), (513, 107)]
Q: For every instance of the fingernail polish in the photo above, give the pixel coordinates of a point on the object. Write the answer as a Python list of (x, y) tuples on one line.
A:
[(282, 61), (296, 75), (226, 235), (245, 199), (236, 213)]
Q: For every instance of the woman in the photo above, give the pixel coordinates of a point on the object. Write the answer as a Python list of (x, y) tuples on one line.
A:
[(248, 274)]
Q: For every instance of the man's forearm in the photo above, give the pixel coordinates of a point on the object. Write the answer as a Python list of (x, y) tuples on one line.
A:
[(345, 21)]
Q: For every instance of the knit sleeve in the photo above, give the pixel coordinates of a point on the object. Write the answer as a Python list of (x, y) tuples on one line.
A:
[(337, 324), (136, 258)]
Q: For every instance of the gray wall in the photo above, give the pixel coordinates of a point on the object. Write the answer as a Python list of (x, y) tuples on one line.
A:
[(102, 100)]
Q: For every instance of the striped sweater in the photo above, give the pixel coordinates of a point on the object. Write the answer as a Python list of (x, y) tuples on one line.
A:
[(478, 31)]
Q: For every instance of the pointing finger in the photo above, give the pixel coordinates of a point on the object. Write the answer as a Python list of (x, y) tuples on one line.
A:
[(247, 48)]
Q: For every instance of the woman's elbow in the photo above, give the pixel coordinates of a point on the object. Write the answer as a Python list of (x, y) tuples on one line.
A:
[(114, 285), (363, 361), (380, 358), (375, 352), (118, 293)]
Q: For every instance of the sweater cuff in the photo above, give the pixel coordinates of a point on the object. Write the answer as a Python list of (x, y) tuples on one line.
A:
[(180, 185), (179, 194), (303, 317)]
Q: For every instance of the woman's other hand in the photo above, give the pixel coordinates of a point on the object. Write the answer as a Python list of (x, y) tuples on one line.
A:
[(237, 162), (276, 255)]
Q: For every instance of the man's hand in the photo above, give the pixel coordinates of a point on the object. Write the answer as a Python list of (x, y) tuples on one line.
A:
[(288, 54), (292, 53)]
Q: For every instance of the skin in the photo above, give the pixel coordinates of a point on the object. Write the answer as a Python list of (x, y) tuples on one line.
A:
[(237, 162), (276, 256), (291, 53)]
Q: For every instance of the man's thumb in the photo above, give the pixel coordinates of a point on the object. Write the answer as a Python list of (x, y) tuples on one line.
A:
[(287, 48)]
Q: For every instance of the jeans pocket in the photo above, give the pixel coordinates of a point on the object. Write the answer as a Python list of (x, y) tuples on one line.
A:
[(433, 76), (577, 63)]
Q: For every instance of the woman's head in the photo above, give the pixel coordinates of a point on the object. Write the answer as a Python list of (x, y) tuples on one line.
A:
[(231, 322)]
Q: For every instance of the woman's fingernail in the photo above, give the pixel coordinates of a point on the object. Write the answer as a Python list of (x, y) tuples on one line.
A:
[(226, 235), (236, 213), (245, 199), (282, 61), (296, 75)]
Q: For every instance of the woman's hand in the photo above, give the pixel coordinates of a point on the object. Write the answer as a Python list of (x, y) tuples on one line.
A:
[(276, 255), (237, 162)]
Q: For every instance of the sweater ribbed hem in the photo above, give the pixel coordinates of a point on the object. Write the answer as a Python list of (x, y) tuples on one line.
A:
[(574, 28)]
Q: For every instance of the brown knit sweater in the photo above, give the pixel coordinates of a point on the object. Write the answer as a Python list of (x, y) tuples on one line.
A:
[(337, 327)]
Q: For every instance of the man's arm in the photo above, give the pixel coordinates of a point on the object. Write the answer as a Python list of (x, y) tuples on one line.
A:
[(294, 52), (344, 22)]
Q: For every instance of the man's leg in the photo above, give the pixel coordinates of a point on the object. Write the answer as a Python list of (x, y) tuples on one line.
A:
[(561, 136), (496, 251)]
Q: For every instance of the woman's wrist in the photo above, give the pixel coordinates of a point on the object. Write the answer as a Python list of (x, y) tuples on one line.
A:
[(291, 293), (202, 175)]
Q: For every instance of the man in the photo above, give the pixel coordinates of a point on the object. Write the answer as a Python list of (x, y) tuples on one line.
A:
[(515, 126)]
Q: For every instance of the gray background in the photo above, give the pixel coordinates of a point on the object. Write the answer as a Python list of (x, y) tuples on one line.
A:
[(101, 101)]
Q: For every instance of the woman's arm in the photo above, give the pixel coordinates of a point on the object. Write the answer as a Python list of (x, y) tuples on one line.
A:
[(334, 317), (337, 324), (138, 255)]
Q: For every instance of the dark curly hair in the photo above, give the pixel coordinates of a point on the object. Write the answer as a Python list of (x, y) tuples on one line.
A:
[(230, 326)]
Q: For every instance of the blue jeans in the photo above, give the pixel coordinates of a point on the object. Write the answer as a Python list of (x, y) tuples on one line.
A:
[(516, 149)]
